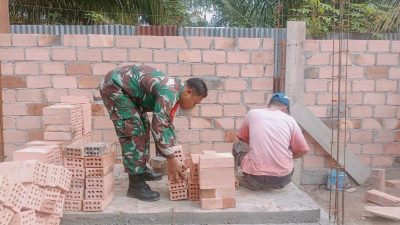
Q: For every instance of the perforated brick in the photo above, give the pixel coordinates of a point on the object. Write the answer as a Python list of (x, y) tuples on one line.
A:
[(72, 205), (34, 197), (74, 151), (178, 151), (101, 193), (99, 183), (51, 176), (60, 110), (99, 172), (74, 163), (26, 217), (48, 206), (75, 194), (177, 186), (97, 205), (6, 215), (41, 218), (51, 193), (59, 208), (97, 149), (15, 196), (64, 178), (178, 195), (3, 188), (77, 173), (99, 162), (53, 220), (77, 183)]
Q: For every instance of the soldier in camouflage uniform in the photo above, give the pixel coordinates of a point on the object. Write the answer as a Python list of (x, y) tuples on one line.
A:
[(129, 93)]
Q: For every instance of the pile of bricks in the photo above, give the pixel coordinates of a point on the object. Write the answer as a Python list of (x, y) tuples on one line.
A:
[(179, 190), (32, 192), (194, 186), (217, 181), (92, 185), (43, 151)]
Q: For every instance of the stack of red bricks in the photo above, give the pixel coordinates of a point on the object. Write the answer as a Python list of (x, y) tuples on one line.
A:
[(179, 190), (43, 151), (217, 180), (194, 186), (32, 192), (86, 108), (92, 185), (63, 122)]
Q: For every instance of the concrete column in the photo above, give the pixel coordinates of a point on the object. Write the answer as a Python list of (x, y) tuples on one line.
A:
[(4, 17), (294, 76)]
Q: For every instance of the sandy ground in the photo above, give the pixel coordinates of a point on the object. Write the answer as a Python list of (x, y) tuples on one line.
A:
[(354, 205)]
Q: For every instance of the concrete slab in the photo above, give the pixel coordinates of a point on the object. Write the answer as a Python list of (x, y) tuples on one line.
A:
[(288, 205)]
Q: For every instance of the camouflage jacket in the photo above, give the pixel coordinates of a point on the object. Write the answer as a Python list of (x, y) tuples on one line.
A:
[(149, 90)]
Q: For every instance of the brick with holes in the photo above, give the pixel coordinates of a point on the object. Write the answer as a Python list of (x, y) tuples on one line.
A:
[(99, 162), (99, 172), (77, 173), (75, 194), (74, 163), (26, 217), (34, 197), (72, 205), (64, 177), (101, 193), (99, 183), (6, 215), (51, 193), (180, 194), (177, 186), (97, 149), (74, 151), (77, 183), (97, 205)]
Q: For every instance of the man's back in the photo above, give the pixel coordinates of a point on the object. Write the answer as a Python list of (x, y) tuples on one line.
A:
[(271, 135)]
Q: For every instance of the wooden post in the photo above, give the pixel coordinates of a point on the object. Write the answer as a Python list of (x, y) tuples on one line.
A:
[(4, 28)]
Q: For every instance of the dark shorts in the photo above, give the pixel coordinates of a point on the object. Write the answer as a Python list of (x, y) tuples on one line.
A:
[(257, 182)]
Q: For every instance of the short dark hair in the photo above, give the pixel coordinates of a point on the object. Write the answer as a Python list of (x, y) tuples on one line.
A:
[(198, 85)]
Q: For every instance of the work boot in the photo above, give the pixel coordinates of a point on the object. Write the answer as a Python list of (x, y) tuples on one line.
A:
[(151, 175), (140, 190)]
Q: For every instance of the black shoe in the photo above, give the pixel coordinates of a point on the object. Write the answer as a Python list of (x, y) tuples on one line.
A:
[(151, 175), (140, 190)]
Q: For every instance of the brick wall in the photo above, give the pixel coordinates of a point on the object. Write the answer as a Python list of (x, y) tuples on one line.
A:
[(38, 69), (373, 98)]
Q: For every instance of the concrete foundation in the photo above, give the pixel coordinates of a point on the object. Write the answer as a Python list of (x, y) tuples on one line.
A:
[(288, 205)]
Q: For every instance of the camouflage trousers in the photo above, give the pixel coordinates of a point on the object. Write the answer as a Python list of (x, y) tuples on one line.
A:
[(133, 132)]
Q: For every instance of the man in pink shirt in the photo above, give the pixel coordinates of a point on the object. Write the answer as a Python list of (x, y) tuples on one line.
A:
[(269, 140)]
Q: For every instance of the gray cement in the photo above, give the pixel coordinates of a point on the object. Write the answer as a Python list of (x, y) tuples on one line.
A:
[(288, 205)]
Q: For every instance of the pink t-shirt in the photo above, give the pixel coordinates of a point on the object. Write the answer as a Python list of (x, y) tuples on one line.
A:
[(273, 136)]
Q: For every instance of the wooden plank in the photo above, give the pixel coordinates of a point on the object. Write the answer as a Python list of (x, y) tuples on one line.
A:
[(382, 198), (393, 183), (388, 212), (322, 134)]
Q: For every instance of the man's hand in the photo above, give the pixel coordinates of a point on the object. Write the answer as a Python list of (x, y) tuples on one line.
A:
[(175, 169)]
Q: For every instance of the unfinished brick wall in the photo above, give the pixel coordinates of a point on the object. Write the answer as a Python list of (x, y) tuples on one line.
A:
[(38, 69), (373, 98)]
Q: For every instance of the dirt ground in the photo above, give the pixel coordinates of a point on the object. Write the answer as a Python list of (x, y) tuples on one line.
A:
[(354, 205)]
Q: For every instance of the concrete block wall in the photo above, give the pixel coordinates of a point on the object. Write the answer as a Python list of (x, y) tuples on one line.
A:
[(38, 69), (373, 98)]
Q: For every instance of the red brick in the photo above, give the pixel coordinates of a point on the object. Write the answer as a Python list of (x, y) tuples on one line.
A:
[(201, 42), (75, 40), (203, 70), (91, 55), (388, 59), (200, 123), (268, 44), (24, 40), (217, 193), (96, 40), (127, 41), (102, 123), (314, 85), (7, 54), (377, 72), (211, 178), (179, 70), (254, 97), (5, 40), (364, 59), (224, 43), (229, 97), (234, 110), (319, 59), (372, 124), (355, 72), (238, 57), (382, 161), (374, 98), (395, 183), (53, 95), (188, 136), (378, 46), (97, 205), (49, 40), (391, 124), (262, 57), (38, 82), (249, 43), (52, 68), (311, 45), (79, 69), (28, 95), (319, 111), (211, 135), (394, 73), (103, 68), (64, 82), (64, 54), (14, 136), (151, 42), (140, 55), (25, 68), (112, 55), (6, 68), (176, 42), (214, 56), (235, 85), (189, 56), (357, 45), (327, 45), (224, 123), (37, 54), (225, 70), (217, 203), (386, 85), (211, 110), (384, 136), (216, 161), (391, 148), (393, 99), (89, 81), (360, 136), (252, 71), (363, 85), (385, 111), (261, 84), (165, 56)]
